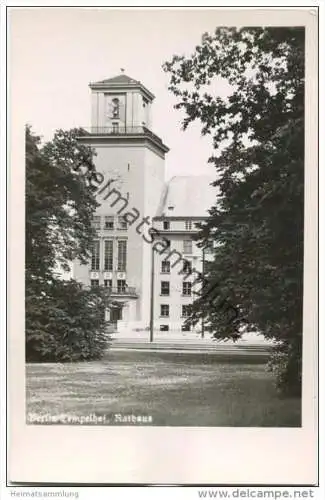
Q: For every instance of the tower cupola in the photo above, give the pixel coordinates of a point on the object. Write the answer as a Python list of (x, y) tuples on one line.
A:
[(121, 108), (121, 102)]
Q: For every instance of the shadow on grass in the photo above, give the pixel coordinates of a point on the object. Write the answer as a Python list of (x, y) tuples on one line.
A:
[(174, 389)]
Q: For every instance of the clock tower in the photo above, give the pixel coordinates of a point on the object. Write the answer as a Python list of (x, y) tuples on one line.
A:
[(131, 158)]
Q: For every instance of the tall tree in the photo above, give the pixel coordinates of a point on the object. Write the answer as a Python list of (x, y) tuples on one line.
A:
[(256, 124), (60, 203)]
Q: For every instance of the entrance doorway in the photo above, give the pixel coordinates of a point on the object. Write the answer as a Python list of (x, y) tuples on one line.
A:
[(115, 314)]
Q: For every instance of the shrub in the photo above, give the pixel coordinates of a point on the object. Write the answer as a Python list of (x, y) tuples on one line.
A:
[(67, 323), (286, 364)]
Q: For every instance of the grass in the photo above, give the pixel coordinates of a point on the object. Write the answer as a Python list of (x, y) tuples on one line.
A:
[(175, 389)]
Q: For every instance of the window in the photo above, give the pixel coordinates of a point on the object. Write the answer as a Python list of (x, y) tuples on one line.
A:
[(121, 286), (122, 224), (108, 284), (187, 267), (96, 222), (188, 225), (108, 255), (164, 310), (109, 223), (95, 256), (186, 309), (187, 246), (165, 266), (186, 328), (164, 288), (187, 288), (94, 283), (115, 127), (115, 107), (121, 255), (166, 224), (167, 243), (164, 328)]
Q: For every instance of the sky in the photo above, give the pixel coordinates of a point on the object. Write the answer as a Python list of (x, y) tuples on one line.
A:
[(55, 53)]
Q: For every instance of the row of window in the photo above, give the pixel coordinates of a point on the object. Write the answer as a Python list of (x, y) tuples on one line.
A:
[(165, 328), (122, 257), (108, 255), (165, 267), (165, 288), (110, 223), (164, 311), (187, 225), (121, 284), (187, 245)]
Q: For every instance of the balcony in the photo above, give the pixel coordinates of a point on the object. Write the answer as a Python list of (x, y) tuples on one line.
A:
[(121, 131), (127, 291)]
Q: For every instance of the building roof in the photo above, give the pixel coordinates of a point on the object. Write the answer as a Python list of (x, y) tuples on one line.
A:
[(187, 196), (122, 80)]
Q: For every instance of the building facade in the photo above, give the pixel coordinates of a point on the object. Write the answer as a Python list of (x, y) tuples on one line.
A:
[(144, 251)]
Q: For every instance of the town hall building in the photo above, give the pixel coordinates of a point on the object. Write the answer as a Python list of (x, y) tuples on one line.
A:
[(144, 252)]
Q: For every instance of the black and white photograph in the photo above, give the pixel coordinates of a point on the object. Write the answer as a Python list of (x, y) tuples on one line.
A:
[(164, 218), (168, 296)]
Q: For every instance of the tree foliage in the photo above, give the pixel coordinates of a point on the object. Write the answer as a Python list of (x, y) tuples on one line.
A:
[(63, 320), (59, 203), (67, 323), (246, 87)]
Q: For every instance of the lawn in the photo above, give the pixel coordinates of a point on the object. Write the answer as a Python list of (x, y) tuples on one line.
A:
[(174, 389)]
